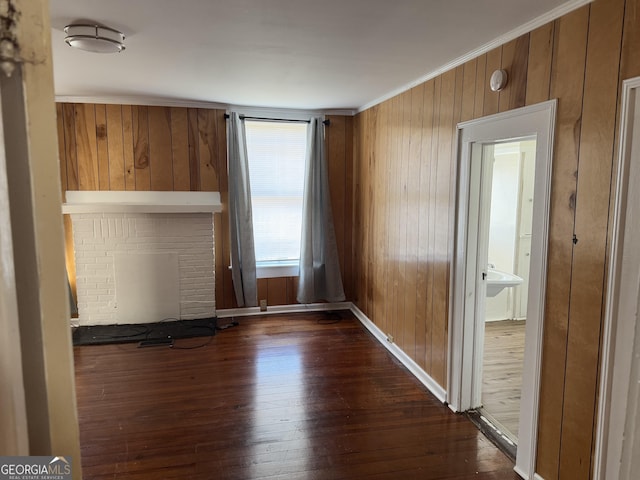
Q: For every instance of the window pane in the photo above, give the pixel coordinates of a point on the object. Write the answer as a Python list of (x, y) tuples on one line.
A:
[(276, 153)]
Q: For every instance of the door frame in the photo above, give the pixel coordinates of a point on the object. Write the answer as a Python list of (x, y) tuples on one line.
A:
[(535, 120), (620, 334)]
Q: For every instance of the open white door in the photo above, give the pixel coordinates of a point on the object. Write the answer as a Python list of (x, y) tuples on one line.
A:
[(533, 122)]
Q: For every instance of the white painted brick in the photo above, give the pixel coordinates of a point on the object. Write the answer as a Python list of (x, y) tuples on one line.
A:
[(82, 227), (98, 237), (85, 259), (92, 241)]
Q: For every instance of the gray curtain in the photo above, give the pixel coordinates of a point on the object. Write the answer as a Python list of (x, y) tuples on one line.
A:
[(320, 277), (243, 256)]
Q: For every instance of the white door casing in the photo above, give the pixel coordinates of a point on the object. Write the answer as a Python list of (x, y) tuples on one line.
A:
[(533, 121), (617, 451)]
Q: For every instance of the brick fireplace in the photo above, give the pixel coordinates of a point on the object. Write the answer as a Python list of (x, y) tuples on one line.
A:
[(143, 257)]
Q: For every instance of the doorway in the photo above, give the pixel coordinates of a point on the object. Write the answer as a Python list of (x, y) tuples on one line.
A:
[(506, 247), (474, 278)]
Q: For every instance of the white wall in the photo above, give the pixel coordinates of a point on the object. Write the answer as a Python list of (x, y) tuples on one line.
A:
[(510, 224), (503, 224)]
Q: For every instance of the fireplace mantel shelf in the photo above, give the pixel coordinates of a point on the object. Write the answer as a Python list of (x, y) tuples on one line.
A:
[(141, 202)]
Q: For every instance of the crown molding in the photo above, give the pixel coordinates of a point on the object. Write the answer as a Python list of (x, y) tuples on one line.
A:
[(168, 102), (496, 42), (139, 100)]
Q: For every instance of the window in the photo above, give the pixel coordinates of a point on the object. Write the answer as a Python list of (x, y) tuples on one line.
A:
[(276, 152)]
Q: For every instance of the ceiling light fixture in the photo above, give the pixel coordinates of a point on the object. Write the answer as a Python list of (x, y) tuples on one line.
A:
[(94, 38)]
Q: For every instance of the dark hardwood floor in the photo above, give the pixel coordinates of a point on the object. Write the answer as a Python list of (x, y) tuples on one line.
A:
[(301, 396)]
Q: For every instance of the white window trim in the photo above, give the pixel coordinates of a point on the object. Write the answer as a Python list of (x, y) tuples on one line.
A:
[(285, 268)]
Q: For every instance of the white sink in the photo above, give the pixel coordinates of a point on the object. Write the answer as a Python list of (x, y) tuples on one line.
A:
[(498, 280)]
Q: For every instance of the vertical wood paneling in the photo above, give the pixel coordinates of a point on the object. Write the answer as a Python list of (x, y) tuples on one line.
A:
[(85, 129), (180, 149), (506, 60), (140, 125), (539, 65), (373, 291), (481, 85), (194, 149), (128, 148), (379, 172), (590, 251), (515, 56), (160, 160), (115, 147), (423, 294), (363, 146), (70, 145), (277, 291), (102, 147), (207, 150), (385, 318), (292, 288), (433, 227), (412, 220), (402, 232), (358, 231), (394, 224), (567, 84), (469, 90)]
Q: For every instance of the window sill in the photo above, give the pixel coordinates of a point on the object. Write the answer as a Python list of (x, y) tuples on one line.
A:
[(277, 269)]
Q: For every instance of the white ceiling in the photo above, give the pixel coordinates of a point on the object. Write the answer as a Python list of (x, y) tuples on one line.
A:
[(303, 54)]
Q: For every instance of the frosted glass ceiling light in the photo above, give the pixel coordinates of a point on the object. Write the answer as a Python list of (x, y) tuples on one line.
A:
[(94, 38)]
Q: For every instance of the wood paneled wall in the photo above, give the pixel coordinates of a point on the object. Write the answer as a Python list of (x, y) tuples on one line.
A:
[(405, 206), (132, 147)]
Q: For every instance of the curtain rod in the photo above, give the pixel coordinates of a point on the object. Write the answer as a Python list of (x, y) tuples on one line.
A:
[(245, 117)]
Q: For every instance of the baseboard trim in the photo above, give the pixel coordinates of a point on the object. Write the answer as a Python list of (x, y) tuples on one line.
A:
[(424, 378), (295, 308), (525, 476)]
